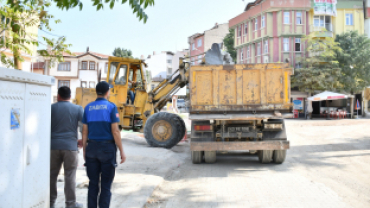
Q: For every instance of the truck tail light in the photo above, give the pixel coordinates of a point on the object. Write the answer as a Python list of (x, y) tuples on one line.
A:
[(202, 127)]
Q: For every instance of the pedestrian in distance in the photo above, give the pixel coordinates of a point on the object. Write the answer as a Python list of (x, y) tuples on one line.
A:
[(65, 119), (100, 138)]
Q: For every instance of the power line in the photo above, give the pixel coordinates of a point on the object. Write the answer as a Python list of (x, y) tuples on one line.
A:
[(51, 33)]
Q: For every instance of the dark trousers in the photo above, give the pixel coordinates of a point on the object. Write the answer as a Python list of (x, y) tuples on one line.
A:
[(69, 159), (131, 95), (100, 168)]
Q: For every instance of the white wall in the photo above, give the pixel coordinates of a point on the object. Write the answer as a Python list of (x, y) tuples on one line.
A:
[(76, 76), (157, 64), (215, 36), (74, 69), (176, 58)]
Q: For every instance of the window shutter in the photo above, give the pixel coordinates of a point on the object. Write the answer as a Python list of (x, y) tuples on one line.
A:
[(97, 66), (79, 64)]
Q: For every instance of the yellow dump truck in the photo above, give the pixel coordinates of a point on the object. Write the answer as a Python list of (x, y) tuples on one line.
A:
[(239, 107), (233, 107)]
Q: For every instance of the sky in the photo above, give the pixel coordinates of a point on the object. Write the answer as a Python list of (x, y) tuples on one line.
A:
[(169, 25)]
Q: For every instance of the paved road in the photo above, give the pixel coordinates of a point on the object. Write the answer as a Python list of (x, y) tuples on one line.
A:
[(327, 166)]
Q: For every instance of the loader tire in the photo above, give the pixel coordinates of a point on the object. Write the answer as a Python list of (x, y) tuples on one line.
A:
[(183, 127), (164, 130), (265, 156), (196, 157), (279, 156)]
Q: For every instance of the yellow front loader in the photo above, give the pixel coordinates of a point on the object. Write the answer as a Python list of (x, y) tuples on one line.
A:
[(161, 129)]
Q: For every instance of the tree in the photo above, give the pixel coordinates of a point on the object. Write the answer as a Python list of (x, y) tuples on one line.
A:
[(17, 15), (13, 27), (320, 69), (121, 52), (229, 44), (354, 61), (137, 6)]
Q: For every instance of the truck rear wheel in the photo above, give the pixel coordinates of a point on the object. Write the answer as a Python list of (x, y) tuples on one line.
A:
[(265, 156), (196, 157), (164, 130), (210, 156), (279, 156)]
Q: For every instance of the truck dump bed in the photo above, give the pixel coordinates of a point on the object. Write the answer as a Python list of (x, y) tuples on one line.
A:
[(248, 88)]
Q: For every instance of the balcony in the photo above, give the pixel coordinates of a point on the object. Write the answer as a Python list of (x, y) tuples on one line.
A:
[(323, 30)]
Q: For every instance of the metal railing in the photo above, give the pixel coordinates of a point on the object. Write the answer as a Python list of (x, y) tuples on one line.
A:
[(328, 27)]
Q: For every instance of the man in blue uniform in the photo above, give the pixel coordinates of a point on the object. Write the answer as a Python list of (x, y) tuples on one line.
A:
[(100, 138)]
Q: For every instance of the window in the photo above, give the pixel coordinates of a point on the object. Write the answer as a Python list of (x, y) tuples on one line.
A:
[(62, 83), (131, 75), (266, 47), (322, 22), (84, 65), (286, 44), (92, 65), (200, 58), (92, 85), (258, 49), (248, 52), (349, 19), (241, 56), (106, 68), (199, 43), (83, 84), (246, 29), (299, 18), (121, 75), (286, 17), (239, 31), (255, 24), (298, 65), (152, 86), (193, 46), (112, 71), (297, 44), (263, 22), (64, 66), (169, 71), (138, 75), (318, 21), (169, 61)]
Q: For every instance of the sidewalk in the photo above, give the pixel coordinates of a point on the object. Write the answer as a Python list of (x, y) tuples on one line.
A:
[(136, 179)]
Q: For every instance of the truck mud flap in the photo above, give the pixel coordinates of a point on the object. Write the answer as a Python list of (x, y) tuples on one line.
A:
[(230, 146)]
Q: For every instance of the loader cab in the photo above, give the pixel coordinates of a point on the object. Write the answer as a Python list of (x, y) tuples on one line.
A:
[(121, 73)]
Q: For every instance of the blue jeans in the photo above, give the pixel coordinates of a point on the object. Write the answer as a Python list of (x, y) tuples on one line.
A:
[(131, 96), (100, 166)]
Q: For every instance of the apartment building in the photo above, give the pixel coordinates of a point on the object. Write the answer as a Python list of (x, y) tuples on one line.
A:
[(272, 30), (202, 42), (162, 65), (366, 10), (81, 69)]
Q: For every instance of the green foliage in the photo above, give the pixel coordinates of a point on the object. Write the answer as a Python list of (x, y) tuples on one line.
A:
[(229, 44), (121, 52), (15, 21), (320, 69), (354, 61), (137, 6)]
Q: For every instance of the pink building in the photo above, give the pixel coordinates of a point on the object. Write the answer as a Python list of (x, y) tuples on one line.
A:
[(271, 31)]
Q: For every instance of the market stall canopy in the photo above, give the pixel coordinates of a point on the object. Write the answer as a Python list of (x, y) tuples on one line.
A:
[(327, 96)]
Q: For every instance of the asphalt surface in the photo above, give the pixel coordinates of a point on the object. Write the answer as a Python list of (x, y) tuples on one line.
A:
[(327, 166)]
